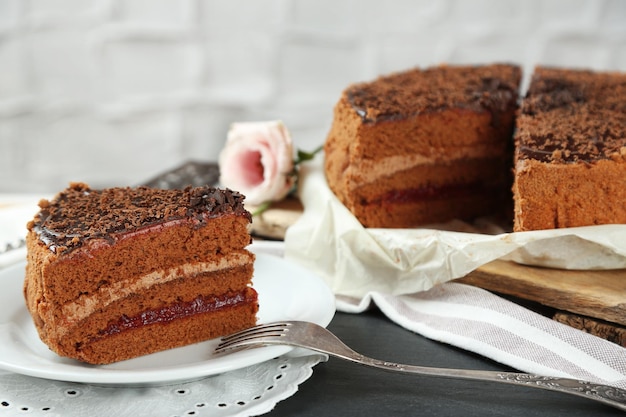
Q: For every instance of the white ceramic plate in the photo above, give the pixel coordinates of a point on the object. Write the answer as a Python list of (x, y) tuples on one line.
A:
[(286, 290)]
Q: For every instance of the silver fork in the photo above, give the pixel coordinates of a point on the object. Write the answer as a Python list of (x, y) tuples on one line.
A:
[(314, 337)]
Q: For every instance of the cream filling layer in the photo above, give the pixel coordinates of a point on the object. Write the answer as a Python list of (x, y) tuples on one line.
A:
[(366, 171), (88, 303)]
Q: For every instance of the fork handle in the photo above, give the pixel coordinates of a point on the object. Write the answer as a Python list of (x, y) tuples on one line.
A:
[(612, 396)]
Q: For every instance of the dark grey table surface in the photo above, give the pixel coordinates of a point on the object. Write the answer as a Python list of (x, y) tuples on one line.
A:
[(340, 388)]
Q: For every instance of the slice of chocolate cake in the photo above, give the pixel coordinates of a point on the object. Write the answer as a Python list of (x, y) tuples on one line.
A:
[(117, 273), (570, 159), (425, 146)]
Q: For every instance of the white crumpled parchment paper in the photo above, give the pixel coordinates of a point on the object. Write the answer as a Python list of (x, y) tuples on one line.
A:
[(355, 260)]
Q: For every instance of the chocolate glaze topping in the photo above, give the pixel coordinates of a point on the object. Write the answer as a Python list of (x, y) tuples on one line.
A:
[(476, 88), (573, 115), (79, 213)]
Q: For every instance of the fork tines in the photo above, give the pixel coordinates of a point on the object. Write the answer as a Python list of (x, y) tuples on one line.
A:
[(252, 334)]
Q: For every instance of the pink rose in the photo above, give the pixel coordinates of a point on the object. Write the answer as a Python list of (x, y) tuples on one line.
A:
[(257, 161)]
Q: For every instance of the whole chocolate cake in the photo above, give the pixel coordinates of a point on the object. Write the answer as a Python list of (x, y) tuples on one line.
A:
[(117, 273), (570, 159)]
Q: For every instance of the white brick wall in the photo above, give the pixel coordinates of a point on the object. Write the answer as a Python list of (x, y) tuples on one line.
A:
[(114, 91)]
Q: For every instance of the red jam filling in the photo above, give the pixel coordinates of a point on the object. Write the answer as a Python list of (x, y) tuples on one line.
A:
[(167, 314), (410, 195)]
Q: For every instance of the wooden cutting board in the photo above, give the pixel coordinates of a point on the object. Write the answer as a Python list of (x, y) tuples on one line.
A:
[(273, 222), (600, 294), (594, 301)]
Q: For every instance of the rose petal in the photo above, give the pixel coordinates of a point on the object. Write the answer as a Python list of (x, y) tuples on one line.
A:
[(257, 161)]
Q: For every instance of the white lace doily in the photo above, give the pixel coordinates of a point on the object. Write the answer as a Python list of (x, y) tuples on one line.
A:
[(249, 391)]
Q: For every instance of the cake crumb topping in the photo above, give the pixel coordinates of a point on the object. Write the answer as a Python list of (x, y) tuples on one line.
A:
[(573, 115), (80, 213), (417, 91)]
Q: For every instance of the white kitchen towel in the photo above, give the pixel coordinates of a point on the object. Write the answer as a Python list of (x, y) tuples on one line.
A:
[(478, 321)]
